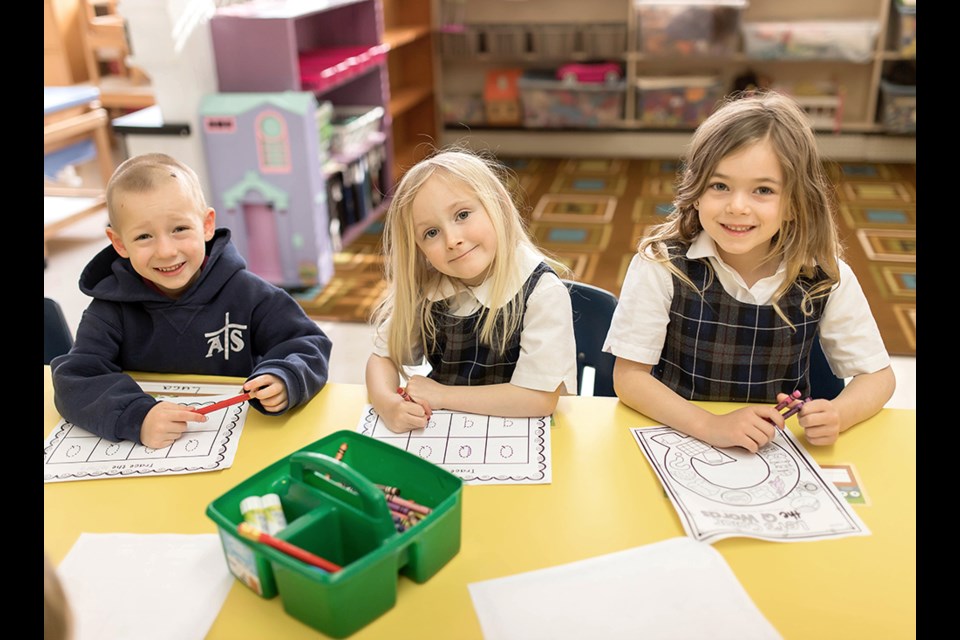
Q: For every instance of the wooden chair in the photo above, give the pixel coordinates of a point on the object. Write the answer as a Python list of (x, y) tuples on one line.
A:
[(105, 40), (592, 312)]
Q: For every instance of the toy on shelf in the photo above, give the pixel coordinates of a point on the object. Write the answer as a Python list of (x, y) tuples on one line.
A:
[(590, 72), (264, 166), (501, 97)]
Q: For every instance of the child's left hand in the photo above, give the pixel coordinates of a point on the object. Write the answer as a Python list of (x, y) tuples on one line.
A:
[(820, 421), (269, 390), (426, 392)]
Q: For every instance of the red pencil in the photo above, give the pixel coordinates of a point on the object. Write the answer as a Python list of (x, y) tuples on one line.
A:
[(250, 532), (406, 396), (243, 397)]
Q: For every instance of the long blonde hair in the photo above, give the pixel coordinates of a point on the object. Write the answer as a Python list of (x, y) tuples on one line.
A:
[(409, 276), (808, 233)]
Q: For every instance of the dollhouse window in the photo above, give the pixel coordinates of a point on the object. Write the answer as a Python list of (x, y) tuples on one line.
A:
[(273, 143)]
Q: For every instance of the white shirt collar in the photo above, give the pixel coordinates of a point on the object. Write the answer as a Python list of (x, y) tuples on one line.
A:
[(761, 292), (443, 287)]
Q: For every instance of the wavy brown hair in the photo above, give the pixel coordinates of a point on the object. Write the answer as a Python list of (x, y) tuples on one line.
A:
[(808, 237)]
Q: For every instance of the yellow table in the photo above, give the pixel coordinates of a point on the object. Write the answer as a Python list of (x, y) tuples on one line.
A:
[(604, 498)]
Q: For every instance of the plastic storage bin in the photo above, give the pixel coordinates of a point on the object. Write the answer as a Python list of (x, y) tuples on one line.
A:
[(899, 110), (467, 108), (550, 103), (907, 27), (604, 40), (689, 27), (335, 511), (502, 40), (352, 127), (555, 41), (680, 101), (852, 40)]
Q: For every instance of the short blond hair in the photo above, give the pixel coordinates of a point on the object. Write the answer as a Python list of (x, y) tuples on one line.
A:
[(146, 172)]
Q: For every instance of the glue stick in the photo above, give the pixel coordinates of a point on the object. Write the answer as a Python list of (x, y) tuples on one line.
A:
[(252, 510), (273, 510)]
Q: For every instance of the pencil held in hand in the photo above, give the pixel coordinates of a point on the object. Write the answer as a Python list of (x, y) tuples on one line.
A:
[(216, 406)]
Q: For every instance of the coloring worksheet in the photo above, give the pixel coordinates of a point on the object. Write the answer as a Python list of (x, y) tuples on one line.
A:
[(778, 493), (73, 453), (477, 449)]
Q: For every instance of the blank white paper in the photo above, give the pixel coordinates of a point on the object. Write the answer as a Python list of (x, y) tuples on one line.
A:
[(672, 590), (145, 586)]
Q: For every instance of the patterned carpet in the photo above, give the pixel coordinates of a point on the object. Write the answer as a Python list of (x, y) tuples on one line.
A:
[(590, 213)]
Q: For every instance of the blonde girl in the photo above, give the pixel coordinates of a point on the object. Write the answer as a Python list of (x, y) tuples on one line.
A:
[(724, 299), (468, 293)]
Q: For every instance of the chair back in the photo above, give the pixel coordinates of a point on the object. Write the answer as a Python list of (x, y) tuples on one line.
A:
[(823, 382), (592, 312), (57, 338)]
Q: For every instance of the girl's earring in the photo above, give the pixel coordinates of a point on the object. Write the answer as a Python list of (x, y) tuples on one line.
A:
[(696, 205)]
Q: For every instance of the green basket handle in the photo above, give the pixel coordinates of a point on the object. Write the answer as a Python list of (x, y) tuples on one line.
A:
[(372, 500)]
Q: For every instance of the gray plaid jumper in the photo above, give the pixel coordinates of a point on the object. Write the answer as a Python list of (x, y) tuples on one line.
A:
[(720, 349), (458, 358)]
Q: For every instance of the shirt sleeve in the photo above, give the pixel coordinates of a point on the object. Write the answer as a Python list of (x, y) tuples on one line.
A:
[(849, 334), (548, 349), (639, 326)]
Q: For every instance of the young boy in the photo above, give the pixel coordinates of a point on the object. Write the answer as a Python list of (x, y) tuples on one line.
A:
[(172, 295)]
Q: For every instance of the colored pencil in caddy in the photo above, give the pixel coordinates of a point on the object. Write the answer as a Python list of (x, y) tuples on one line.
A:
[(344, 520)]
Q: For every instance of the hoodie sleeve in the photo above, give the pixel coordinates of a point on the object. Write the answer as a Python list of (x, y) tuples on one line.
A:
[(293, 348), (90, 389)]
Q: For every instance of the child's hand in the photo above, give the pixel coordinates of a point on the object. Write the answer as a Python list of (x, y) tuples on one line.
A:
[(820, 421), (403, 415), (269, 390), (426, 392), (165, 423), (749, 427)]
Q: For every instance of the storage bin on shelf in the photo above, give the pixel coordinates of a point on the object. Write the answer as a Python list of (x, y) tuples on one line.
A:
[(604, 40), (850, 40), (502, 40), (336, 511), (689, 27), (324, 119), (906, 27), (677, 101), (550, 103), (351, 127), (898, 107), (467, 108), (821, 100), (555, 41), (458, 41)]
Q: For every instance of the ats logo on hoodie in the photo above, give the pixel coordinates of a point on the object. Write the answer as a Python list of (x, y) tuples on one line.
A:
[(227, 340)]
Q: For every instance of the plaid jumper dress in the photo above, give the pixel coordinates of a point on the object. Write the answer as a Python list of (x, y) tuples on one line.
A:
[(458, 358), (720, 349)]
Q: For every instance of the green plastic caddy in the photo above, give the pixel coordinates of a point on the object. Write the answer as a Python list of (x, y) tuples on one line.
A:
[(336, 511)]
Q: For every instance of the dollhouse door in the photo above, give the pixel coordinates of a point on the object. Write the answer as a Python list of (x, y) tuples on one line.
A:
[(263, 249)]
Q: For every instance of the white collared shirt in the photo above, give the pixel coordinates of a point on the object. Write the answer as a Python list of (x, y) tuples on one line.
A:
[(848, 331), (548, 352)]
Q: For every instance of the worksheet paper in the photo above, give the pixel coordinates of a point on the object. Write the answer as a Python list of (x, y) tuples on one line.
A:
[(145, 586), (677, 589), (73, 453), (778, 493), (477, 449)]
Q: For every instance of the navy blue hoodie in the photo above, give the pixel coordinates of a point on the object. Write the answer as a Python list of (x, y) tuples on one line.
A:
[(230, 322)]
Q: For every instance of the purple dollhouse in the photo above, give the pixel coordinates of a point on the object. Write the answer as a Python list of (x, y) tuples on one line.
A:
[(265, 168)]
